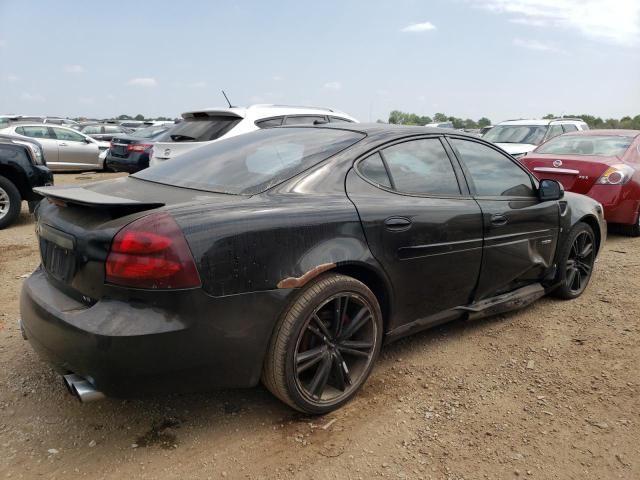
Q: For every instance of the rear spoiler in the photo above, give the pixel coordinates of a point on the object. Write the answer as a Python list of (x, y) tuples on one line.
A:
[(89, 198)]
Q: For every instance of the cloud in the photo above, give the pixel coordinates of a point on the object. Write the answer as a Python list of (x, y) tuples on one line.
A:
[(12, 78), (198, 84), (143, 82), (332, 86), (536, 45), (74, 69), (615, 22), (32, 97), (419, 27)]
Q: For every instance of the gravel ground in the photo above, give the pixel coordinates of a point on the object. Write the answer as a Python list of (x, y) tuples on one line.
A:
[(550, 392)]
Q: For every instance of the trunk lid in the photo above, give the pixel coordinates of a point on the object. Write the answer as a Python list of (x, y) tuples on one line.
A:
[(575, 173), (76, 225)]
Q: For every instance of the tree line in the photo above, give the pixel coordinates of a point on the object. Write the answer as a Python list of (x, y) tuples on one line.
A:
[(406, 118)]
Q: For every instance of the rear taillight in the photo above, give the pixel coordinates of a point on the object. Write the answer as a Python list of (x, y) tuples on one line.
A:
[(151, 252), (616, 175), (138, 147)]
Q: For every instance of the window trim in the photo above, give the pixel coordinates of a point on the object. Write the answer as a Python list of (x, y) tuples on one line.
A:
[(265, 119), (469, 178), (462, 185)]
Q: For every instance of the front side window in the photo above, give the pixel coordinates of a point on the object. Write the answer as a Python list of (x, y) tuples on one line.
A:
[(555, 130), (34, 132), (92, 130), (251, 163), (421, 167), (530, 134), (62, 134), (492, 173), (202, 128), (605, 145)]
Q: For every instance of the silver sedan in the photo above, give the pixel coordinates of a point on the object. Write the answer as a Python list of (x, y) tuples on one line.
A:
[(64, 148)]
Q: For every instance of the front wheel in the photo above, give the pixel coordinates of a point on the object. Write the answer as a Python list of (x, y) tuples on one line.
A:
[(575, 262), (10, 202), (324, 347)]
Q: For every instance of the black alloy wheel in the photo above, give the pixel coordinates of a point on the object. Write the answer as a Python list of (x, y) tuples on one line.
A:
[(576, 262), (325, 347)]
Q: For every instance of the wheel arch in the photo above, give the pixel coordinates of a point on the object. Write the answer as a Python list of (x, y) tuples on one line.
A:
[(592, 221), (15, 177)]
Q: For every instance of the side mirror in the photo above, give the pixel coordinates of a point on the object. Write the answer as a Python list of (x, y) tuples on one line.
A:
[(550, 190), (88, 140)]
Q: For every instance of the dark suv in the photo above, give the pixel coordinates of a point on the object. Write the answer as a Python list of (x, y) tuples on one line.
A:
[(22, 167)]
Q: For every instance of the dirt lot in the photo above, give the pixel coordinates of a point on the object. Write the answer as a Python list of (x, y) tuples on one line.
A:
[(549, 392)]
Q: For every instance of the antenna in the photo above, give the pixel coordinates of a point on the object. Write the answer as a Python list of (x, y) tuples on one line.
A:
[(227, 99)]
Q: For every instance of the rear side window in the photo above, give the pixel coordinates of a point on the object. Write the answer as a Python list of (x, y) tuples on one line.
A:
[(339, 120), (269, 122), (421, 167), (492, 173), (570, 128), (200, 129), (373, 169), (34, 132), (305, 120), (251, 163), (113, 129)]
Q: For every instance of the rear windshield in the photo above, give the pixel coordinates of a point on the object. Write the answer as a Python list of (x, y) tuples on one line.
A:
[(531, 134), (150, 132), (605, 145), (200, 129), (251, 163)]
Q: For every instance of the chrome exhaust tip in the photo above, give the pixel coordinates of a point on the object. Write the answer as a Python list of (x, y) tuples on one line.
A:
[(82, 388)]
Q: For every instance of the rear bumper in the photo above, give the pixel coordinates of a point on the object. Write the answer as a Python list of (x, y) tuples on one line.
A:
[(127, 348), (621, 203), (133, 163), (37, 176)]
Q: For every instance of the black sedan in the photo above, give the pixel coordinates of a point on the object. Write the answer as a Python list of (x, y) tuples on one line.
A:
[(130, 153), (290, 255)]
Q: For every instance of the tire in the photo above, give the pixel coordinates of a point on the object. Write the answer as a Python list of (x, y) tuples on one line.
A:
[(633, 230), (313, 343), (575, 262), (10, 202)]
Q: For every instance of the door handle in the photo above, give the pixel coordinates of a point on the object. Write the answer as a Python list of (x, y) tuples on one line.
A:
[(397, 224), (499, 220), (62, 144)]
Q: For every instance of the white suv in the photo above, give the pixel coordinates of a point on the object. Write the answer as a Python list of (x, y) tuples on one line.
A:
[(210, 125), (518, 137)]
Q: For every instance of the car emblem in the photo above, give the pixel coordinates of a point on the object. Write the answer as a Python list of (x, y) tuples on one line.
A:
[(167, 152), (557, 163)]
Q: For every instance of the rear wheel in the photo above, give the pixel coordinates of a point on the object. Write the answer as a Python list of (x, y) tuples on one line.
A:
[(324, 347), (575, 262), (10, 202)]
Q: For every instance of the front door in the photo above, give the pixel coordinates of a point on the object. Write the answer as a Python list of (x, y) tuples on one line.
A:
[(421, 225), (520, 231), (74, 150)]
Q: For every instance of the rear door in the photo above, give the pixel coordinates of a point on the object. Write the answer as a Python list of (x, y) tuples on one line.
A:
[(520, 231), (421, 225), (74, 151), (46, 138)]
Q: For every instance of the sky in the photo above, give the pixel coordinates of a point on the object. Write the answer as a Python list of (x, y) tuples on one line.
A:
[(467, 58)]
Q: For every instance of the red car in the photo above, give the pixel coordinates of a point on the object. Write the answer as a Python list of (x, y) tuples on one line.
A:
[(603, 164)]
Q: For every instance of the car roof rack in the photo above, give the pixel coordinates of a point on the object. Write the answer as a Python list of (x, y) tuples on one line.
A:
[(573, 119)]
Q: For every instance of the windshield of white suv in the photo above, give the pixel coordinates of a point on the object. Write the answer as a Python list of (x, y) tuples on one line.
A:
[(200, 129), (605, 145), (531, 134)]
